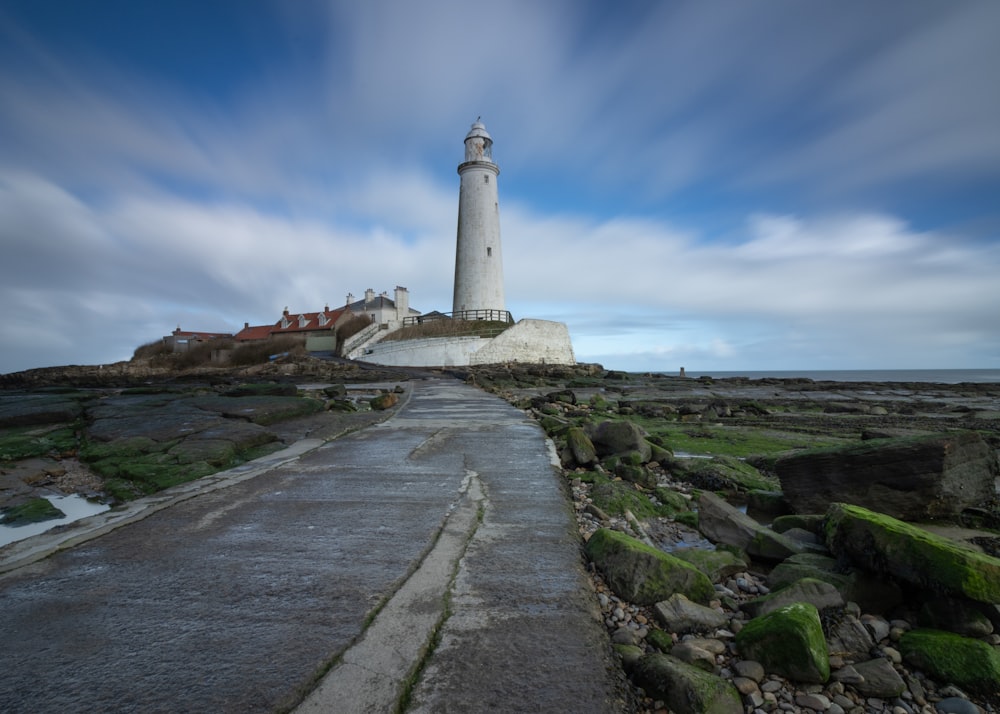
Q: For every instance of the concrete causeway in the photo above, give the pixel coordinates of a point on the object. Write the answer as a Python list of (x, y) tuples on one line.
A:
[(425, 564)]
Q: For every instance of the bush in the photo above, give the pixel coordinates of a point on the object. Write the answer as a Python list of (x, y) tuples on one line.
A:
[(352, 326), (151, 349), (258, 352)]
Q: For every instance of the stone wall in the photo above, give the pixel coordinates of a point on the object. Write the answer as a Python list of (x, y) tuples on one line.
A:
[(528, 341)]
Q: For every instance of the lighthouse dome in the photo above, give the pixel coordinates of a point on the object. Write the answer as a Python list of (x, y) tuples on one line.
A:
[(478, 130), (478, 143)]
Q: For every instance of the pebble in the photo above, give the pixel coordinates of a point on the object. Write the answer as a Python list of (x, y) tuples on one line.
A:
[(816, 702), (749, 669), (956, 705), (893, 655)]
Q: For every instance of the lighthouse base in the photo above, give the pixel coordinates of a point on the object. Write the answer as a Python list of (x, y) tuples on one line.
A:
[(527, 342)]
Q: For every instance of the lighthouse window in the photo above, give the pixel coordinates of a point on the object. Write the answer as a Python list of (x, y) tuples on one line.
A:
[(486, 179), (489, 252)]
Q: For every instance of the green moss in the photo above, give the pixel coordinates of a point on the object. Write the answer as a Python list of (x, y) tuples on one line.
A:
[(892, 547), (965, 662), (643, 574), (660, 639), (687, 518), (615, 497), (723, 472), (788, 641), (34, 511), (26, 442)]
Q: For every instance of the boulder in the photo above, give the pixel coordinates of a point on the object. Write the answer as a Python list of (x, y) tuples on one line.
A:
[(955, 615), (962, 661), (911, 479), (716, 564), (580, 447), (887, 546), (691, 652), (878, 679), (871, 592), (384, 401), (618, 438), (767, 505), (722, 523), (788, 641), (642, 574), (678, 614), (722, 473), (817, 593), (685, 688), (847, 636)]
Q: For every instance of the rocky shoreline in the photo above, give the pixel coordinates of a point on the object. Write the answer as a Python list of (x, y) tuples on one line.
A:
[(677, 645), (658, 469)]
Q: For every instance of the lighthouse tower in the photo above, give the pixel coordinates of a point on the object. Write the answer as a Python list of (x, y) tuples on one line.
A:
[(478, 260)]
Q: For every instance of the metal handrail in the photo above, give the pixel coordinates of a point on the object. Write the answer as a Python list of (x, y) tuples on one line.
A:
[(484, 315)]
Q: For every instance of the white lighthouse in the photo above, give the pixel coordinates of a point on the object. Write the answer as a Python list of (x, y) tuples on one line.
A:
[(478, 259)]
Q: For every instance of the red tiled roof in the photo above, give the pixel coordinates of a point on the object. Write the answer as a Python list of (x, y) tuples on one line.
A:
[(191, 334), (311, 324)]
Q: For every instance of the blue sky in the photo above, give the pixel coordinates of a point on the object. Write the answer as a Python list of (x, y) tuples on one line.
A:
[(714, 185)]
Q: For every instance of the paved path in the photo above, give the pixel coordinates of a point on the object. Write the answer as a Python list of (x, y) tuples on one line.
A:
[(429, 561)]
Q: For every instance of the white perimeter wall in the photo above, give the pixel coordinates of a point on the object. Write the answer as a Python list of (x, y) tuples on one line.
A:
[(529, 341)]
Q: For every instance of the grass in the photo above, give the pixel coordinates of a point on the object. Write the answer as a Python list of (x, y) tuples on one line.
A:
[(448, 328), (27, 442), (738, 441)]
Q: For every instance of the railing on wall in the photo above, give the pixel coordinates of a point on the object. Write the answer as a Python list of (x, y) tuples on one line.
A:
[(483, 315), (358, 338)]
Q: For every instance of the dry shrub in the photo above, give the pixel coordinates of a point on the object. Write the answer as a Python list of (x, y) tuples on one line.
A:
[(258, 352), (151, 349), (352, 326)]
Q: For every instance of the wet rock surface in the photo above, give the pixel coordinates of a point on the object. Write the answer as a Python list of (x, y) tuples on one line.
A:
[(860, 665)]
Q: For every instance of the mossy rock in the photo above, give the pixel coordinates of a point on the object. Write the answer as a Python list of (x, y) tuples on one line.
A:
[(672, 501), (788, 641), (818, 593), (580, 446), (341, 405), (947, 657), (34, 511), (384, 401), (660, 639), (873, 593), (642, 574), (723, 473), (615, 497), (716, 564), (635, 474), (553, 425), (888, 546), (686, 688), (807, 522)]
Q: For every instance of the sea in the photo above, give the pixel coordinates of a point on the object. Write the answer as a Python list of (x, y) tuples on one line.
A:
[(936, 376)]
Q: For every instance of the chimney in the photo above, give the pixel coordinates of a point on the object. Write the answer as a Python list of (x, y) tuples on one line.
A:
[(402, 303), (369, 295), (350, 298), (285, 312), (246, 325)]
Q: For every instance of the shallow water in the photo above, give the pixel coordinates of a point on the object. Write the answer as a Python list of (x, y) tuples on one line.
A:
[(75, 507)]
